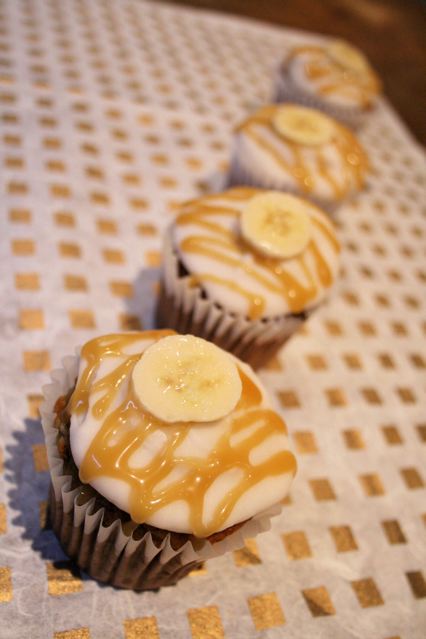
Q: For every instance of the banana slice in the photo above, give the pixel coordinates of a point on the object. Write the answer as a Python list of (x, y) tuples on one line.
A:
[(347, 56), (276, 224), (303, 125), (182, 378)]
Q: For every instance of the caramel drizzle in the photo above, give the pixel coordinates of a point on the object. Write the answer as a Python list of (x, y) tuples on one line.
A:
[(126, 428), (332, 79), (351, 154), (226, 247)]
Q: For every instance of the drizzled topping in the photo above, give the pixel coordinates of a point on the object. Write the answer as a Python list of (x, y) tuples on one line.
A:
[(338, 72), (347, 56), (180, 476), (225, 242), (276, 224), (302, 125), (289, 139)]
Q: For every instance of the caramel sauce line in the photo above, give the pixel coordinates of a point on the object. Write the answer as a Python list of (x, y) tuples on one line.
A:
[(367, 84), (127, 427), (350, 153), (283, 283)]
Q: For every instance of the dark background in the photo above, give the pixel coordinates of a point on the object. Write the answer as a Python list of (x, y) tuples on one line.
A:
[(392, 33)]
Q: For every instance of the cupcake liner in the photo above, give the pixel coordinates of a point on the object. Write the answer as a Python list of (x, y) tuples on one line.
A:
[(286, 91), (120, 554), (185, 309), (239, 175)]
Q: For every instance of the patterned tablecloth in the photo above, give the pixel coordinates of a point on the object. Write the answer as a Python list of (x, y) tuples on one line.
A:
[(111, 113)]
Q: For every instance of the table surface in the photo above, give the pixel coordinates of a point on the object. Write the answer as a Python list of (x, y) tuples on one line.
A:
[(112, 112)]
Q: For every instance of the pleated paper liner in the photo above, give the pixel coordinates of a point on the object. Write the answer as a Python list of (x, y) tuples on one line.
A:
[(121, 554)]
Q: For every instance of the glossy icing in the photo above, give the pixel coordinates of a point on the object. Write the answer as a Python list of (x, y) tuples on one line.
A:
[(330, 171), (312, 69), (207, 238), (184, 477)]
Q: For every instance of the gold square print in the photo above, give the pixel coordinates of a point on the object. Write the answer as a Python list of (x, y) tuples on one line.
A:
[(27, 281), (3, 519), (372, 485), (141, 628), (393, 531), (353, 439), (386, 360), (40, 458), (406, 395), (34, 401), (336, 397), (63, 578), (20, 216), (34, 361), (75, 283), (392, 435), (417, 360), (352, 361), (113, 256), (417, 584), (343, 538), (128, 322), (64, 219), (421, 431), (412, 478), (248, 555), (6, 588), (296, 545), (367, 593), (288, 399), (205, 622), (266, 611), (322, 489), (305, 442), (75, 633), (319, 602), (81, 319), (23, 247), (371, 396), (31, 319), (316, 362), (106, 226), (69, 249)]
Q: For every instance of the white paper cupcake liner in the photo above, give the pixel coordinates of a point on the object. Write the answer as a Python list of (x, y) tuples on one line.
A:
[(113, 553), (185, 309), (285, 90)]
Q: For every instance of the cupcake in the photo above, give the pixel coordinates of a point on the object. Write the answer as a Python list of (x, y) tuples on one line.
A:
[(293, 148), (164, 451), (335, 77), (244, 268)]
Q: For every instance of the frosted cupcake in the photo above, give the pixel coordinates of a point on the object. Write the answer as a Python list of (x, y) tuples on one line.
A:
[(244, 268), (336, 78), (293, 148), (164, 451)]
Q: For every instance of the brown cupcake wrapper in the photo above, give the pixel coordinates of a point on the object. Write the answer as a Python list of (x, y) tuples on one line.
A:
[(286, 91), (108, 552), (184, 309)]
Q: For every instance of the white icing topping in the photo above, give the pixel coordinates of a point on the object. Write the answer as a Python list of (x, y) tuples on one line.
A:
[(201, 440), (301, 267), (358, 93), (324, 172)]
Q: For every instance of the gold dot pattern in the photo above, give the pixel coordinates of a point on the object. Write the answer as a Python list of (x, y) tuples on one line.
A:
[(112, 113)]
